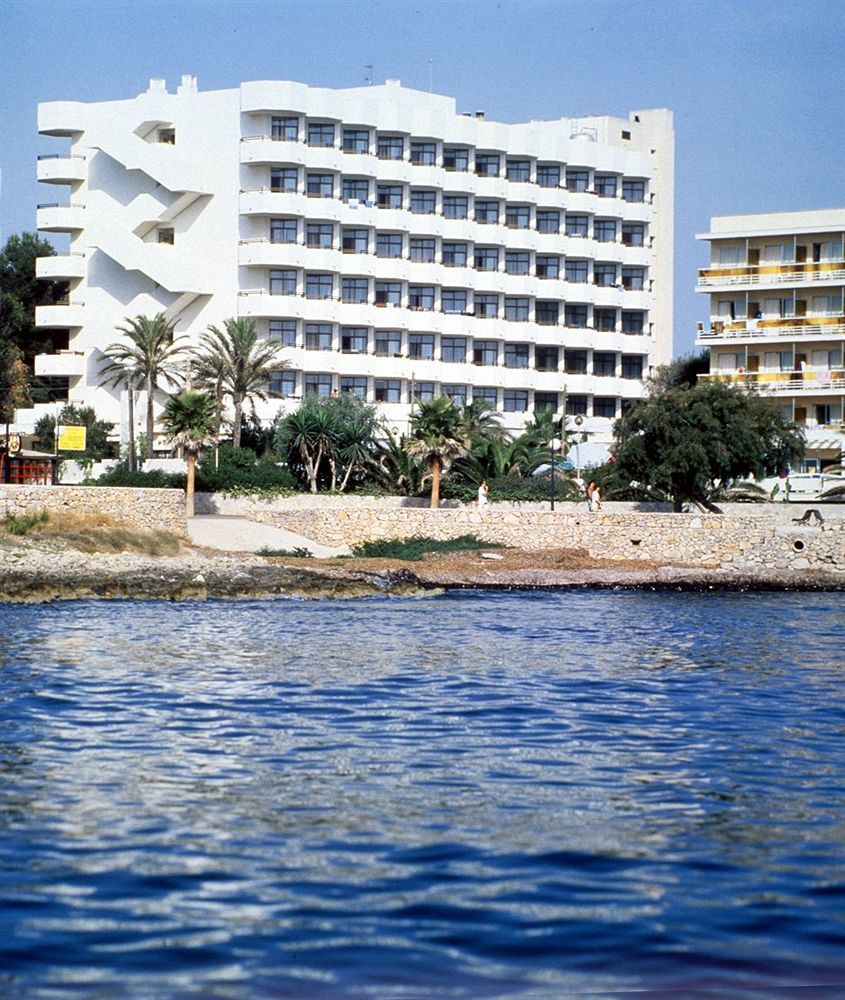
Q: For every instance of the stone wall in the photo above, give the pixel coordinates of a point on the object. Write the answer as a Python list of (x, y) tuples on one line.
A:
[(158, 510)]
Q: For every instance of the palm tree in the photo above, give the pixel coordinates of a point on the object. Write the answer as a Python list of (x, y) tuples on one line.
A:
[(189, 423), (150, 356), (438, 435), (241, 363)]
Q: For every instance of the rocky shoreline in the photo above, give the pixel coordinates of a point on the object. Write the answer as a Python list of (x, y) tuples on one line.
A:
[(33, 573)]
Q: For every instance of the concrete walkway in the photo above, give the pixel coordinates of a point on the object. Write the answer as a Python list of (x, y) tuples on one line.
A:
[(239, 534)]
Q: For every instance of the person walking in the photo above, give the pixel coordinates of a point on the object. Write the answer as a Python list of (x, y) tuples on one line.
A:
[(482, 494), (591, 487)]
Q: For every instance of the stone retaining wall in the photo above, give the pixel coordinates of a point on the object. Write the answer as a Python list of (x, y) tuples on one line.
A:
[(157, 510)]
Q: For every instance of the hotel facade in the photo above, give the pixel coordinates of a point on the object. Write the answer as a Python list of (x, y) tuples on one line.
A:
[(777, 317), (397, 249)]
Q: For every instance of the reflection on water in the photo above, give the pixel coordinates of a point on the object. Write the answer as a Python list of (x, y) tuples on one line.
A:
[(471, 795)]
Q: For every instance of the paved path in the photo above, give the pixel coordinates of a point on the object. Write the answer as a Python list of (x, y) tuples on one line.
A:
[(239, 534)]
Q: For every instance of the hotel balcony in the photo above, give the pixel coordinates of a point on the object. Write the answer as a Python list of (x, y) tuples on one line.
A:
[(61, 267), (69, 364), (57, 169), (796, 383), (805, 327), (55, 218), (70, 315), (769, 275)]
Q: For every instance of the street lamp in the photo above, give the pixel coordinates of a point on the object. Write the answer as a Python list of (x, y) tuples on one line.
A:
[(578, 421), (554, 444)]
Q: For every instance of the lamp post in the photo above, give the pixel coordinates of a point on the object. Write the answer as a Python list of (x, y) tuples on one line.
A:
[(578, 421), (554, 444)]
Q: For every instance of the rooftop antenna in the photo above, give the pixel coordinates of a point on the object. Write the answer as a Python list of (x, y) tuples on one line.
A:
[(368, 75), (430, 64)]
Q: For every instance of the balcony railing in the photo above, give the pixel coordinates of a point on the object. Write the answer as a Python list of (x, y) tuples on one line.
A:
[(782, 382), (815, 326), (788, 274)]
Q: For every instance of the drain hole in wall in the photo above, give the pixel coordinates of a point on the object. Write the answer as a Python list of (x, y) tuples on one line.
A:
[(798, 545), (636, 541)]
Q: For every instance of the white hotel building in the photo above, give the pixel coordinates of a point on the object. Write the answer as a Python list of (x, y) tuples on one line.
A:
[(397, 249), (777, 317)]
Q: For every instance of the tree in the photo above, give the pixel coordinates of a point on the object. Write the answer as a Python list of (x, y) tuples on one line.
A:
[(683, 371), (97, 444), (305, 436), (14, 380), (189, 423), (236, 361), (438, 435), (684, 442), (150, 356), (21, 291)]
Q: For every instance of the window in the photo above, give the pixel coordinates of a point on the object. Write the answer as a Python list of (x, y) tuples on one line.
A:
[(486, 211), (548, 220), (604, 406), (355, 385), (318, 234), (317, 385), (388, 293), (356, 140), (388, 343), (455, 254), (604, 230), (388, 390), (166, 236), (518, 170), (605, 186), (778, 307), (633, 234), (353, 339), (453, 349), (284, 128), (453, 300), (421, 297), (486, 259), (354, 240), (548, 267), (546, 313), (422, 249), (604, 363), (577, 180), (485, 352), (576, 225), (390, 147), (517, 261), (632, 366), (546, 359), (548, 175), (487, 164), (604, 320), (421, 346), (167, 136), (424, 153), (457, 393), (486, 306), (423, 202), (826, 305), (729, 256), (517, 216), (576, 270), (320, 134), (633, 278), (487, 394), (604, 275), (319, 185), (633, 190), (389, 195), (318, 336), (516, 309), (575, 315), (282, 383), (633, 322), (778, 253), (515, 400), (576, 406), (283, 179), (516, 355), (283, 230), (828, 413), (318, 286), (455, 206), (545, 401), (282, 331), (354, 290), (282, 282), (456, 158), (575, 362), (355, 189), (422, 391), (388, 244)]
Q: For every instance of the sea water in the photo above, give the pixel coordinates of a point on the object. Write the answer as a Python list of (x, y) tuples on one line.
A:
[(464, 796)]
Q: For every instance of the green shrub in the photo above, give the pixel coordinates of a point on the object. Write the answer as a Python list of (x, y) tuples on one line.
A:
[(238, 472), (512, 488), (26, 522), (297, 553), (155, 479), (417, 546)]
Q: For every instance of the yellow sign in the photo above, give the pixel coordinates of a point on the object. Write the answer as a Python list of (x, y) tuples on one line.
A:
[(71, 438)]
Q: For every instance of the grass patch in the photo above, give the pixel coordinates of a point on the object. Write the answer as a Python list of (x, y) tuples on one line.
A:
[(297, 553), (22, 525), (417, 546), (92, 533)]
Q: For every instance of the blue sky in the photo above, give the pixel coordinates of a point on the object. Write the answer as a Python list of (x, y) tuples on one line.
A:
[(756, 87)]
